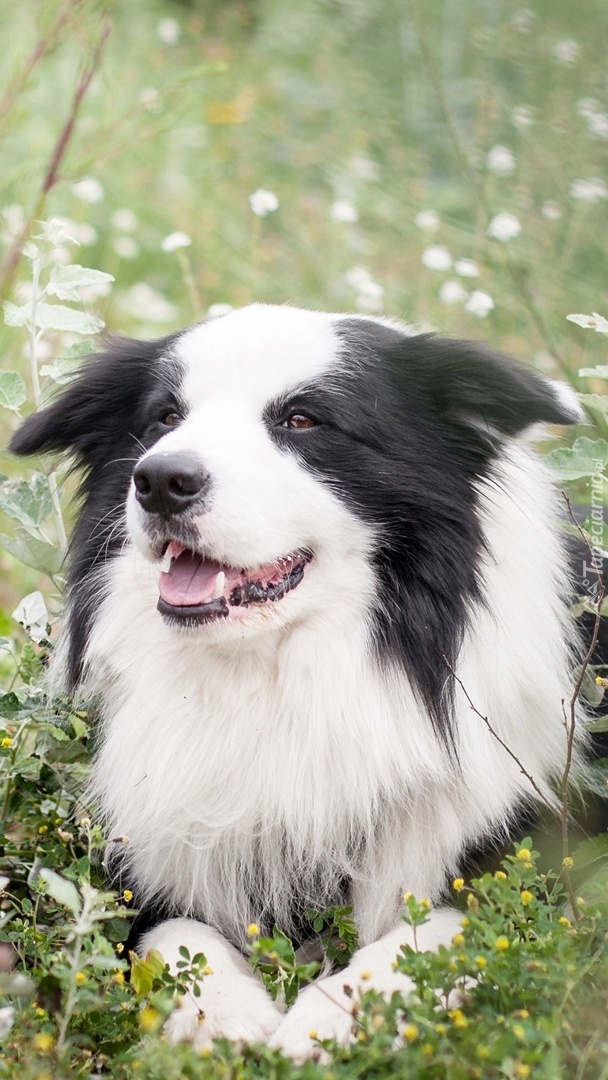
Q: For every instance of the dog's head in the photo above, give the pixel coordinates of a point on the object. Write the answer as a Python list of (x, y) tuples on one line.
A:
[(274, 461)]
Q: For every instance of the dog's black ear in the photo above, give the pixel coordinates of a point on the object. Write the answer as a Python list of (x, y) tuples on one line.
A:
[(100, 403), (467, 383)]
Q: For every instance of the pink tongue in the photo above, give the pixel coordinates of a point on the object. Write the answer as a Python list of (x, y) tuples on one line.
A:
[(190, 580)]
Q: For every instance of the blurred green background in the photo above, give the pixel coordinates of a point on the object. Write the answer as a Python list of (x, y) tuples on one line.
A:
[(443, 161)]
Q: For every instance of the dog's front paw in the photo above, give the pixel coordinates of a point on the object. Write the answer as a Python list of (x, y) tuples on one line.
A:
[(323, 1011), (244, 1014)]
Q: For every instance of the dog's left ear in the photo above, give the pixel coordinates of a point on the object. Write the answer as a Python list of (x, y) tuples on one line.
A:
[(467, 383)]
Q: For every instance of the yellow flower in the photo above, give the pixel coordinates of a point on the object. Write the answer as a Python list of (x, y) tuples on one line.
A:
[(207, 970), (522, 1071), (253, 929), (148, 1018), (564, 921), (522, 1014), (458, 940), (568, 863), (118, 978), (411, 1032), (365, 975), (407, 896), (483, 1052), (424, 903), (458, 1018), (502, 944), (312, 1035), (465, 922), (524, 854), (428, 1050), (127, 895), (526, 897), (44, 1042), (472, 902), (458, 884), (43, 829), (80, 977), (6, 743), (580, 900), (500, 875), (120, 948), (441, 1029), (519, 1032), (40, 1012)]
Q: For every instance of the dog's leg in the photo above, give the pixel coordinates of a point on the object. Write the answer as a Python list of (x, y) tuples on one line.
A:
[(325, 1011), (233, 1002)]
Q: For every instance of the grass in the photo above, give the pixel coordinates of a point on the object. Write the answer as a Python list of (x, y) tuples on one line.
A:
[(393, 138)]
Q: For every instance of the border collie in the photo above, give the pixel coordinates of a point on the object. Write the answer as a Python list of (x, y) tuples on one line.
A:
[(294, 528)]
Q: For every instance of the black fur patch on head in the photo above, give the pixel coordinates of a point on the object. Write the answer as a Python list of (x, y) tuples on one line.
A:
[(405, 427), (106, 419)]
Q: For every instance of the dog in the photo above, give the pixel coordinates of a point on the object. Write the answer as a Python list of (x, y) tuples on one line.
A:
[(306, 543)]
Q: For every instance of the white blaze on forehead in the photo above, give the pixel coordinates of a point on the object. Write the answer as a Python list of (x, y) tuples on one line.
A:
[(256, 354)]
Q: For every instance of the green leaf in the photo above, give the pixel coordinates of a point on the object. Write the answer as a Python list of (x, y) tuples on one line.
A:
[(596, 775), (64, 367), (595, 401), (12, 390), (589, 851), (67, 281), (599, 372), (27, 501), (66, 319), (598, 726), (62, 890), (38, 554), (586, 458)]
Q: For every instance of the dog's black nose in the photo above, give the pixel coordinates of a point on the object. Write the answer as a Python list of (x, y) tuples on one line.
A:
[(168, 484)]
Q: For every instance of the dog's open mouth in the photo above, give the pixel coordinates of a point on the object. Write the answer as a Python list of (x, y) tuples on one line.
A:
[(196, 590)]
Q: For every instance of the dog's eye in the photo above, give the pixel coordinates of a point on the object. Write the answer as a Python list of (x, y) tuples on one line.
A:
[(299, 422), (170, 418)]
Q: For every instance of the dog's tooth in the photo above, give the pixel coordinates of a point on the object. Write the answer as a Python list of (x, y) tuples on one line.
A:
[(165, 563), (220, 585)]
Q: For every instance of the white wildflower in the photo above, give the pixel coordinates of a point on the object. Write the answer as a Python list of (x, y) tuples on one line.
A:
[(215, 311), (89, 190), (263, 202), (150, 99), (466, 268), (358, 277), (504, 227), (427, 220), (589, 190), (598, 125), (370, 298), (524, 20), (85, 233), (453, 292), (147, 305), (550, 210), (4, 881), (436, 257), (343, 210), (126, 247), (174, 241), (479, 303), (522, 117), (169, 31), (587, 106), (31, 613), (124, 219), (7, 1019), (566, 51), (501, 160), (364, 167), (590, 322)]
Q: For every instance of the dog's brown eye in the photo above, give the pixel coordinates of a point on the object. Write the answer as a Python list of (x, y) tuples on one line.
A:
[(170, 419), (299, 422)]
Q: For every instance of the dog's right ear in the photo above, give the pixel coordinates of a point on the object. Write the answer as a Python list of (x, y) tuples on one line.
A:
[(102, 400)]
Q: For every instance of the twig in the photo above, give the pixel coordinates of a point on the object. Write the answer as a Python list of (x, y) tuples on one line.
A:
[(51, 176), (493, 732)]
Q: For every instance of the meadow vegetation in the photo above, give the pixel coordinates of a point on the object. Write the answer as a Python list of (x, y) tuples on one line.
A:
[(440, 161)]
